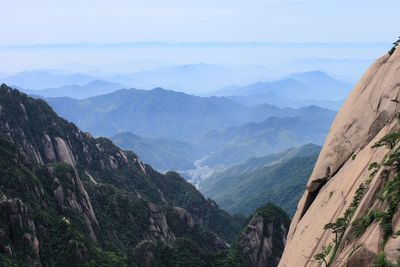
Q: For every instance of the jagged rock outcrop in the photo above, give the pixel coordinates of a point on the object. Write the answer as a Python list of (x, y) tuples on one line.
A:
[(342, 216), (21, 232), (158, 228), (263, 240), (184, 216)]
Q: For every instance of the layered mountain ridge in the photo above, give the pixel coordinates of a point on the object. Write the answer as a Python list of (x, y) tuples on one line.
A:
[(176, 131), (160, 112)]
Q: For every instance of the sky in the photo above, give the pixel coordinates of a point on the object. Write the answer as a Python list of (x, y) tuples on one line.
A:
[(341, 37), (27, 22)]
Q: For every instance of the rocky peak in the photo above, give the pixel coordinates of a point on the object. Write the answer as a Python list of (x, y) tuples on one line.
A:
[(264, 238)]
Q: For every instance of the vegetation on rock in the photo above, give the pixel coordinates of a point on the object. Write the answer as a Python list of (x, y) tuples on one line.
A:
[(389, 196)]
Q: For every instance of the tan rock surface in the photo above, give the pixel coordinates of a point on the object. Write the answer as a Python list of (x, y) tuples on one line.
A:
[(63, 152), (368, 114), (393, 244)]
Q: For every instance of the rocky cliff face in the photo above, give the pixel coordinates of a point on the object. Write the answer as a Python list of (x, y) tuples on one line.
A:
[(68, 199), (348, 215), (263, 240)]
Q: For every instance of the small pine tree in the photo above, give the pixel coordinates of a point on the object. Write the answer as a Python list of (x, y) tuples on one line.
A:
[(337, 228), (395, 44), (321, 257), (390, 140)]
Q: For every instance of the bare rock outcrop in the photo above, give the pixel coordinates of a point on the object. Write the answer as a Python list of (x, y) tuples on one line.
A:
[(21, 231), (264, 238), (63, 152), (158, 226), (343, 167), (185, 216), (49, 148)]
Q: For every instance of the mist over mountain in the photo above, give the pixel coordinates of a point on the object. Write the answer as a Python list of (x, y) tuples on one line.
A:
[(257, 60), (46, 79), (93, 88), (283, 87), (320, 81), (296, 90), (196, 79)]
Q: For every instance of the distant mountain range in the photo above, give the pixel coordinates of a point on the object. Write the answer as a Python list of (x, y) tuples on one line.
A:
[(159, 112), (93, 88), (302, 86), (232, 145), (270, 97), (277, 178), (295, 90), (153, 113), (192, 78), (323, 85)]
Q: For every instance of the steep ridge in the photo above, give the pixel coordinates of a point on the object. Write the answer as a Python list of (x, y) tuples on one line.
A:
[(260, 244), (348, 215), (68, 199)]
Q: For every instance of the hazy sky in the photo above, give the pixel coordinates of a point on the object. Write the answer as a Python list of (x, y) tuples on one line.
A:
[(338, 36), (99, 21)]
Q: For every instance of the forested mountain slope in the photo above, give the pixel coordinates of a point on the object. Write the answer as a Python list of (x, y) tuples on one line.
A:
[(68, 199), (278, 178)]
